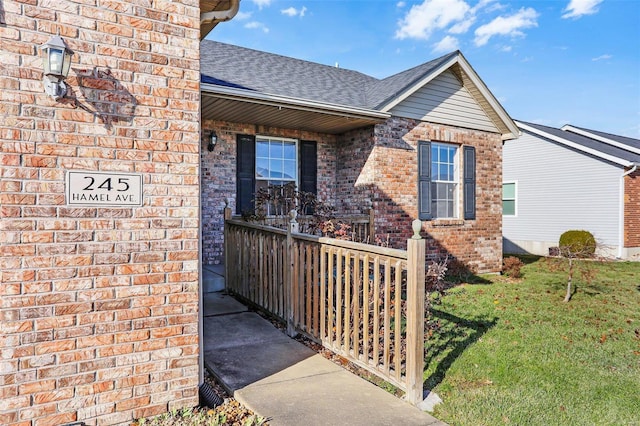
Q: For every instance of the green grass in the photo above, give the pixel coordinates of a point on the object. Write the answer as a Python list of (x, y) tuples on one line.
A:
[(512, 352)]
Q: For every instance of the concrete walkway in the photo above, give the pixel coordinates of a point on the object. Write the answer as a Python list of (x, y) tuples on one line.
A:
[(285, 381)]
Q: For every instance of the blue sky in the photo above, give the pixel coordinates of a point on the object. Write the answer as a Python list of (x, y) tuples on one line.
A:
[(551, 62)]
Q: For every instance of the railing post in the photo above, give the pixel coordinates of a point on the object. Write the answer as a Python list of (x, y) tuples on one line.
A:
[(372, 226), (415, 314), (289, 275), (225, 244)]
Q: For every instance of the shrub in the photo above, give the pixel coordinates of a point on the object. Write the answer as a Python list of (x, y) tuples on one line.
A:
[(511, 267), (577, 243)]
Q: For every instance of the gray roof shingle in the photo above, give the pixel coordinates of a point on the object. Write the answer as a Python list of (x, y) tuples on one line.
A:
[(268, 73), (594, 144)]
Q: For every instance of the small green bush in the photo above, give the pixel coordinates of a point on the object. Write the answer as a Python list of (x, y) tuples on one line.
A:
[(577, 243)]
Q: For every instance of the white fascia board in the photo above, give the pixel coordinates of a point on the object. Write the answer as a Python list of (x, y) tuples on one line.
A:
[(581, 132), (486, 93), (420, 84), (484, 90), (574, 145), (293, 103)]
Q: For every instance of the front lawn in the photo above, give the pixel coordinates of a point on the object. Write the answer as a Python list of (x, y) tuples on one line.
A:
[(512, 352)]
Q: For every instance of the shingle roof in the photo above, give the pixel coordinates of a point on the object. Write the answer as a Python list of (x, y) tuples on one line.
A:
[(594, 145), (634, 143), (268, 73)]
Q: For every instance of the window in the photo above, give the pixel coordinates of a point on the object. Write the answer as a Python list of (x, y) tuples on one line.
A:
[(262, 161), (276, 162), (444, 180), (441, 183), (509, 198)]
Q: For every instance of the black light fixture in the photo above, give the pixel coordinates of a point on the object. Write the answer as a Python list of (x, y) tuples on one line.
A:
[(213, 140), (57, 62)]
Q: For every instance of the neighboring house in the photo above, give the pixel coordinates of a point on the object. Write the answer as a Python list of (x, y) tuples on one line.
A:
[(555, 180), (425, 143)]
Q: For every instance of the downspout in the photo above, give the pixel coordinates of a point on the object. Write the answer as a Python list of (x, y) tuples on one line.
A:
[(220, 15), (634, 167)]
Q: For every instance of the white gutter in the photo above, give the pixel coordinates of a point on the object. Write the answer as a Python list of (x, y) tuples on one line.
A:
[(570, 128), (620, 161), (621, 211), (293, 103), (220, 15)]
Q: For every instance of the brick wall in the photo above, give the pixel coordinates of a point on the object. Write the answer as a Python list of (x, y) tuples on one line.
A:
[(374, 165), (477, 243), (99, 306), (219, 176), (632, 210)]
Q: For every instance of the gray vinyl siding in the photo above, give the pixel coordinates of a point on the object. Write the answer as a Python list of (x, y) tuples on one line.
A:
[(444, 100), (559, 189)]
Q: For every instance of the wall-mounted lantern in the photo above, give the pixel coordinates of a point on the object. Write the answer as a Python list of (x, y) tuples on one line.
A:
[(57, 62), (213, 140)]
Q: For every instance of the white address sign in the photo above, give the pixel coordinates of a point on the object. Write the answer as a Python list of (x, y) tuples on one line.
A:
[(103, 189)]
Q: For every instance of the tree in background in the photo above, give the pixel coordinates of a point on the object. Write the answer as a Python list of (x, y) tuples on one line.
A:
[(574, 245)]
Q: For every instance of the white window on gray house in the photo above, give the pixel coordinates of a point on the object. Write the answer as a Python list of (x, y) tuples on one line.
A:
[(445, 180), (509, 198)]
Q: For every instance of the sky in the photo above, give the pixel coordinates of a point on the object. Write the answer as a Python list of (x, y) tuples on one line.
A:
[(550, 62)]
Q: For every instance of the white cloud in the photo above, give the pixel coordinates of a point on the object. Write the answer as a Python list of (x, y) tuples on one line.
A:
[(462, 26), (578, 8), (400, 4), (255, 25), (262, 3), (241, 16), (506, 49), (447, 44), (507, 26), (423, 19), (602, 57), (292, 11)]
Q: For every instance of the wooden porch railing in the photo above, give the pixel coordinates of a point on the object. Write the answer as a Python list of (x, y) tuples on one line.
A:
[(361, 301), (361, 225)]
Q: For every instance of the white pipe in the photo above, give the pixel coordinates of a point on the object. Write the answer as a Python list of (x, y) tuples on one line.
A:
[(621, 212), (220, 15)]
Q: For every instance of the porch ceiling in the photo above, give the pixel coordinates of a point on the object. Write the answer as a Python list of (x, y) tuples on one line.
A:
[(288, 115)]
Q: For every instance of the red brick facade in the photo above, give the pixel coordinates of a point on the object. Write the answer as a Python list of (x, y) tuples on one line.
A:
[(376, 166), (632, 210), (99, 306)]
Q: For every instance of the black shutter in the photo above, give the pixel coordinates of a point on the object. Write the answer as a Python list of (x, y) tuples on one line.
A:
[(308, 159), (245, 173), (308, 166), (469, 183), (424, 180)]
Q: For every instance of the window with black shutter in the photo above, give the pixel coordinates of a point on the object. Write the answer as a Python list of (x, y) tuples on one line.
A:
[(439, 178), (268, 162)]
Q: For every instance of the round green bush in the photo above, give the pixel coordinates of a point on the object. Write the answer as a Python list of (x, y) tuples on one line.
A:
[(577, 243)]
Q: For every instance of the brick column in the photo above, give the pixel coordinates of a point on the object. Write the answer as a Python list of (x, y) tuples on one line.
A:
[(99, 305)]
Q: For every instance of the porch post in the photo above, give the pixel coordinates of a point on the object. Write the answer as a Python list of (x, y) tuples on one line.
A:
[(415, 314), (225, 243), (290, 281)]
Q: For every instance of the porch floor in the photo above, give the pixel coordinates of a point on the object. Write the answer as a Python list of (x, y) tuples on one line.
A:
[(282, 379)]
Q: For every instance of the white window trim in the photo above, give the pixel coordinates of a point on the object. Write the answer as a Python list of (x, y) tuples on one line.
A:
[(260, 138), (456, 174), (515, 197)]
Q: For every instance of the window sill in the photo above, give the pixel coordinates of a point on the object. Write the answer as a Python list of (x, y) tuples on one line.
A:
[(447, 222)]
